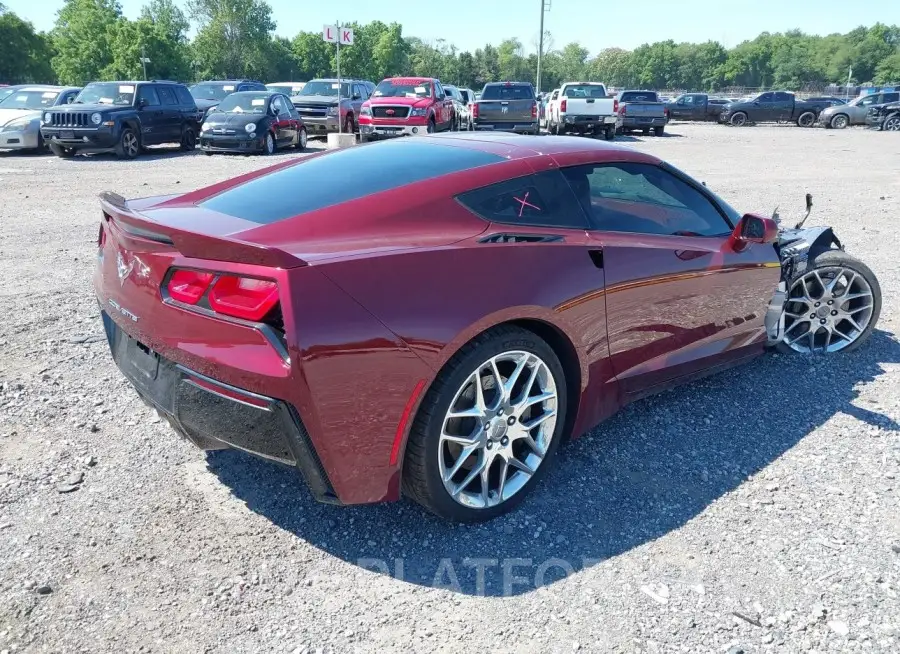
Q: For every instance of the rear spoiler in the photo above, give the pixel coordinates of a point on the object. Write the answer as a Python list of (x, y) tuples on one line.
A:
[(194, 244)]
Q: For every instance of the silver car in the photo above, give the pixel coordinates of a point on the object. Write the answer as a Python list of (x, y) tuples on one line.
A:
[(20, 114), (854, 113)]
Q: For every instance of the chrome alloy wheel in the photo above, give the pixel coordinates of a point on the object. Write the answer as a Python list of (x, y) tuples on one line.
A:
[(827, 309), (498, 429)]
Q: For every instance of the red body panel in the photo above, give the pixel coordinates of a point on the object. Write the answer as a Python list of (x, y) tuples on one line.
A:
[(378, 293), (438, 109)]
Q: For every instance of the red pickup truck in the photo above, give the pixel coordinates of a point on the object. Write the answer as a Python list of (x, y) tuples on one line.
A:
[(404, 106)]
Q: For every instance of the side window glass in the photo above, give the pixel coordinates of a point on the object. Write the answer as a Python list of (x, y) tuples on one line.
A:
[(540, 200), (643, 199), (148, 96), (167, 95), (438, 89), (277, 105), (891, 97), (766, 97), (782, 97), (184, 96)]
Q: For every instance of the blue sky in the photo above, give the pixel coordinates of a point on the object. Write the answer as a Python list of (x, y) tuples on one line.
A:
[(616, 24)]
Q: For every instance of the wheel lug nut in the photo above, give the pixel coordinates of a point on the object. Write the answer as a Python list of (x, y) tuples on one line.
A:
[(830, 302), (500, 412), (511, 421), (822, 321), (490, 444), (812, 315), (834, 313), (818, 303)]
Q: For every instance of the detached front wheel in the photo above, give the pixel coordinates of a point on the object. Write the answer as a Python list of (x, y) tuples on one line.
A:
[(487, 428), (832, 306)]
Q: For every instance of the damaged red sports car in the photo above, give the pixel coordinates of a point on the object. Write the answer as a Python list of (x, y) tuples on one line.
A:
[(431, 317)]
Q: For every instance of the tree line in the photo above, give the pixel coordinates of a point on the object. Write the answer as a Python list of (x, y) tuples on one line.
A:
[(92, 40)]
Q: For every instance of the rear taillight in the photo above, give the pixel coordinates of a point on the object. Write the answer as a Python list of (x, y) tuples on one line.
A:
[(474, 111), (188, 286), (562, 105), (247, 298), (623, 109), (243, 297), (666, 112), (534, 110), (615, 105)]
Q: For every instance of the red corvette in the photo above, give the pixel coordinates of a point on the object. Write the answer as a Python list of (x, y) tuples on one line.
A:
[(432, 316)]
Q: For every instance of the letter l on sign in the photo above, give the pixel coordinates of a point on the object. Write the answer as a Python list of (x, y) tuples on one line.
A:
[(329, 34)]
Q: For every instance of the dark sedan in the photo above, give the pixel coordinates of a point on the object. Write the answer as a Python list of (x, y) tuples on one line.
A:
[(252, 121)]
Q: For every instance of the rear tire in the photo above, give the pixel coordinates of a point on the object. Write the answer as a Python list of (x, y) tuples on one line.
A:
[(610, 133), (809, 296), (269, 147), (659, 131), (806, 119), (188, 140), (302, 139), (429, 453), (891, 123), (645, 131), (739, 119)]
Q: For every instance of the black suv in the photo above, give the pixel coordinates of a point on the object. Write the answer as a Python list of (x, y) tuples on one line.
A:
[(123, 117), (209, 94)]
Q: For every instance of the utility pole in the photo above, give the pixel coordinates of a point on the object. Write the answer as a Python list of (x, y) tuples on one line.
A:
[(144, 61), (544, 8), (337, 45)]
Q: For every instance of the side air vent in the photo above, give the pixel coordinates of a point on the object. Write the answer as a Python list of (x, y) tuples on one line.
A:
[(521, 238)]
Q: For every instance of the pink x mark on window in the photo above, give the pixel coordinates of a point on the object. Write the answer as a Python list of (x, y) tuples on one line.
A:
[(523, 202)]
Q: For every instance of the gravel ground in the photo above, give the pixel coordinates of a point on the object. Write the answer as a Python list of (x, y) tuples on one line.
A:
[(756, 511)]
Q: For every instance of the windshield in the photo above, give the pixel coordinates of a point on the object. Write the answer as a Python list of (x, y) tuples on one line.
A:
[(5, 92), (328, 89), (29, 100), (216, 91), (106, 93), (402, 88), (584, 91), (284, 88), (504, 92), (244, 103)]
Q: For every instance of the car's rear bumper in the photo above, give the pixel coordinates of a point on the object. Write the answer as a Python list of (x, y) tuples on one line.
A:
[(641, 122), (518, 128), (212, 414)]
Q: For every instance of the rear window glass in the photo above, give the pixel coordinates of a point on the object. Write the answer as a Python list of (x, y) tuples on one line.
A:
[(639, 96), (585, 91), (343, 176), (511, 92)]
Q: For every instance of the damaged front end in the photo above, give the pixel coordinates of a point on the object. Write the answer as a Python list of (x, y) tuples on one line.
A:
[(796, 247)]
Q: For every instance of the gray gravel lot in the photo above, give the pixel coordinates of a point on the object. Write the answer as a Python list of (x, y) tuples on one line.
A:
[(755, 511)]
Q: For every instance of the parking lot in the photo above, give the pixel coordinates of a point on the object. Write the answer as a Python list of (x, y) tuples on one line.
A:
[(758, 510)]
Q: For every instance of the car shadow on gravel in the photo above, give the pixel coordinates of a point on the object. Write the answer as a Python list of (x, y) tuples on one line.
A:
[(640, 475)]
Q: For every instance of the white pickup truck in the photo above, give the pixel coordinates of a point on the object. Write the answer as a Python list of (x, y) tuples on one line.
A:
[(583, 107)]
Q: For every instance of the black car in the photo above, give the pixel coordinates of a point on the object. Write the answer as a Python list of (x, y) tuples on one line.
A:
[(208, 94), (123, 117), (885, 117), (252, 121)]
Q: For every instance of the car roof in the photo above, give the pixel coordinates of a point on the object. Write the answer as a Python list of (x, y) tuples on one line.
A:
[(45, 87), (519, 146), (258, 92)]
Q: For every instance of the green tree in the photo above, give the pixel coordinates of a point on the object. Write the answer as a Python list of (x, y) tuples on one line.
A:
[(24, 54), (81, 39), (888, 71), (233, 38), (131, 40), (313, 56)]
